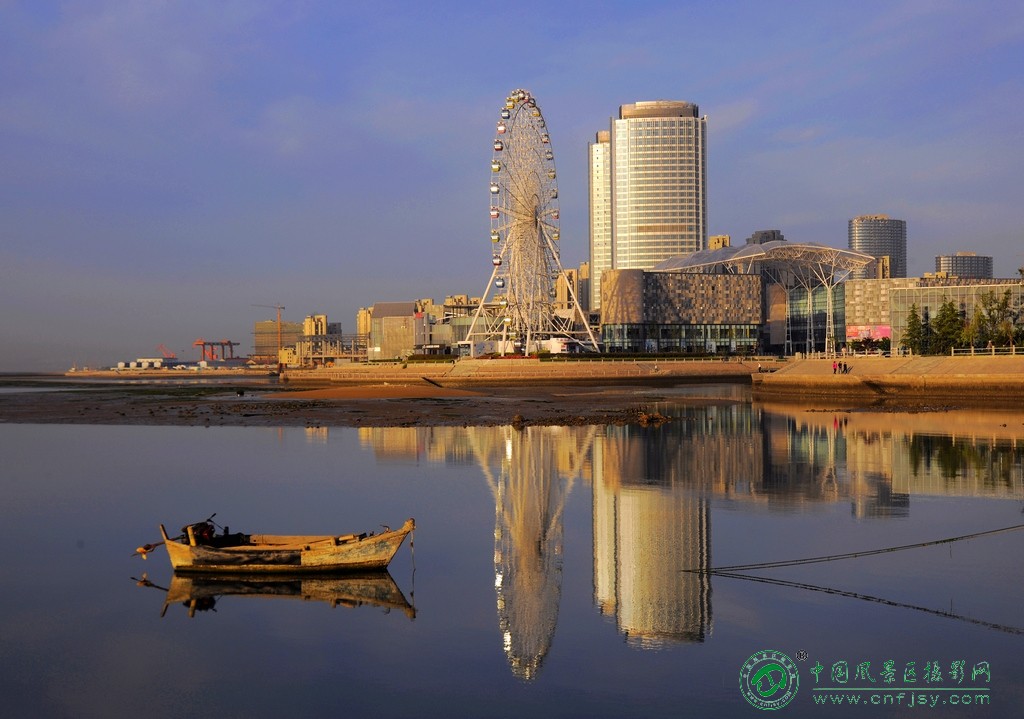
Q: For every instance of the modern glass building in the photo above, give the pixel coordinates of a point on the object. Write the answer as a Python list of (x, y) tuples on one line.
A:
[(881, 237), (600, 175), (808, 315), (965, 264), (658, 183), (681, 312), (803, 299), (929, 296)]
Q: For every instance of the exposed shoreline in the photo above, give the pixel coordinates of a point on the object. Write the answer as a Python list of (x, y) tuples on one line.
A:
[(509, 393), (375, 405)]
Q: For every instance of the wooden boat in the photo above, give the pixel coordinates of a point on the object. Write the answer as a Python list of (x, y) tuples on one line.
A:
[(200, 592), (201, 550)]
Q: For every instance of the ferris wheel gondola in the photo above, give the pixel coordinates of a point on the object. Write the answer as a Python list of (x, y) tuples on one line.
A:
[(524, 216), (524, 194)]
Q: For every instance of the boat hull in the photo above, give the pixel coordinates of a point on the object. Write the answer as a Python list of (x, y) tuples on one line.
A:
[(284, 555)]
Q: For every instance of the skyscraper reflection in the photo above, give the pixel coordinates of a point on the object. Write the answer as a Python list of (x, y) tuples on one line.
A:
[(654, 489), (651, 523)]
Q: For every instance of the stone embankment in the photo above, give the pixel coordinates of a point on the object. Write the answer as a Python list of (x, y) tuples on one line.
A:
[(525, 371), (957, 380)]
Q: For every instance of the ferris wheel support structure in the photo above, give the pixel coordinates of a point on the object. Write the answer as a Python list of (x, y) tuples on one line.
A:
[(524, 213)]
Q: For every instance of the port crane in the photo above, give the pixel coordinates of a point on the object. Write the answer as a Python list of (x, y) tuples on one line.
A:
[(207, 351)]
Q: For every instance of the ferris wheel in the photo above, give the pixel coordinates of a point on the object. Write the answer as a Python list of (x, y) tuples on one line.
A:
[(524, 237)]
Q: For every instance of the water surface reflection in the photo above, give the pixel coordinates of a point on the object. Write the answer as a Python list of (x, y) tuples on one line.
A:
[(552, 570), (653, 490), (201, 593)]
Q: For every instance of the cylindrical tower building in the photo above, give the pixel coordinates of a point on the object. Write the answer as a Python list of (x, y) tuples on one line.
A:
[(883, 238), (658, 183)]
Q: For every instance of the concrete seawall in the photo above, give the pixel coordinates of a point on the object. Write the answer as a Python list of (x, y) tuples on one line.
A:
[(961, 379), (481, 372)]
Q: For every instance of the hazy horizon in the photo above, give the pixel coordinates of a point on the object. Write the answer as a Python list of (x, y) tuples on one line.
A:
[(169, 166)]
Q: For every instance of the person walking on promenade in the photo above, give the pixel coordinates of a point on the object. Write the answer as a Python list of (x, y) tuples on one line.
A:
[(834, 366)]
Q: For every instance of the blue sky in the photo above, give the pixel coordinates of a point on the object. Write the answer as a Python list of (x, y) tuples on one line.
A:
[(168, 165)]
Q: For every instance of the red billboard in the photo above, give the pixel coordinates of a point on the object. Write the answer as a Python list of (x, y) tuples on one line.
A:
[(868, 332)]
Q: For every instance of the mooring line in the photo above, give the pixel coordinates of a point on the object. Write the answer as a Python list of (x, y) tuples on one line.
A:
[(869, 598), (849, 555)]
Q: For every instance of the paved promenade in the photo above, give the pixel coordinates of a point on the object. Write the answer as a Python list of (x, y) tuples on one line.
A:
[(963, 379)]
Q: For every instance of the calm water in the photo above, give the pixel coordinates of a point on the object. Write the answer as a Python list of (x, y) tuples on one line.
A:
[(548, 572)]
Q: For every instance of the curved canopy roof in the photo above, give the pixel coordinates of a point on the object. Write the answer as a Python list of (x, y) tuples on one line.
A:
[(790, 254)]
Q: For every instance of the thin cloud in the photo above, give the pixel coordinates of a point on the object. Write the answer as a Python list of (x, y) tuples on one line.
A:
[(202, 147), (733, 116)]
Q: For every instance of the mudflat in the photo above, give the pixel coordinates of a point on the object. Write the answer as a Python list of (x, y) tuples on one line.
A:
[(378, 405)]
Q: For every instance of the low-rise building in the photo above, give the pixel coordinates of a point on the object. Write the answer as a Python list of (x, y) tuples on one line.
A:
[(967, 295), (680, 312), (867, 306), (396, 330), (965, 264), (269, 338)]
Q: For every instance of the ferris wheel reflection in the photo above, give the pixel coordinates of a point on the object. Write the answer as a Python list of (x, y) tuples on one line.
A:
[(531, 472)]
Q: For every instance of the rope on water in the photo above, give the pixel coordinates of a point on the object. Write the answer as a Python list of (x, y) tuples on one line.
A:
[(850, 555), (869, 598), (412, 553)]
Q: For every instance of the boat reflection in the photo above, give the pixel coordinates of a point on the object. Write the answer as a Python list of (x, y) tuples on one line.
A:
[(201, 593)]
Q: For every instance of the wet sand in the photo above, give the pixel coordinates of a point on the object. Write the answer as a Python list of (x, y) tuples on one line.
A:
[(385, 391), (384, 405)]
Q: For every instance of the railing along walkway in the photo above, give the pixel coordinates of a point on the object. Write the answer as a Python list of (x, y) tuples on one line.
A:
[(985, 351)]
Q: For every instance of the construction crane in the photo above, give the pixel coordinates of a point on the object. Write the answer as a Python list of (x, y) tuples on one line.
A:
[(168, 354), (278, 308)]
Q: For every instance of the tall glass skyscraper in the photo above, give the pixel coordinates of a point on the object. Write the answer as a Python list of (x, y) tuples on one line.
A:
[(882, 237), (655, 169), (600, 213)]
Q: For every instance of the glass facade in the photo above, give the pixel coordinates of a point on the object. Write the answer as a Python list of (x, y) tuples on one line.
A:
[(965, 264), (658, 183), (880, 236), (600, 214), (808, 321), (681, 312), (697, 339), (966, 297)]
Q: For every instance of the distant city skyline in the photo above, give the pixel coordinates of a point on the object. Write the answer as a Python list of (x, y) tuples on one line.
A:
[(167, 166)]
